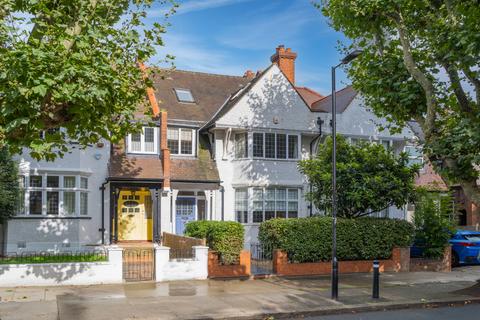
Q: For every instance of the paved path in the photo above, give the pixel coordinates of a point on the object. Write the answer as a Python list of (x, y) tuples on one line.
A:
[(469, 312), (240, 299)]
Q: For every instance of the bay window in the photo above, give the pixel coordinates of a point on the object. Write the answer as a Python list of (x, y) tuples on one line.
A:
[(180, 141), (265, 204), (53, 195), (145, 141)]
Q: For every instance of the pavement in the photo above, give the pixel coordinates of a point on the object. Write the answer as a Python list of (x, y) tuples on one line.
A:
[(271, 298)]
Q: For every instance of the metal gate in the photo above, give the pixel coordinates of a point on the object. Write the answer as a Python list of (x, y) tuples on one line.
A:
[(261, 259), (138, 264)]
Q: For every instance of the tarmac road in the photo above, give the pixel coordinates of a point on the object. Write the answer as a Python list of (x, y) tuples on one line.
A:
[(468, 312)]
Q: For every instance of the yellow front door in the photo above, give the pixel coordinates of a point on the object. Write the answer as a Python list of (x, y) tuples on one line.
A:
[(135, 215)]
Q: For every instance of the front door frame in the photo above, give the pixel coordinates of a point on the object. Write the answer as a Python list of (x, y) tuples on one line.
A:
[(154, 187)]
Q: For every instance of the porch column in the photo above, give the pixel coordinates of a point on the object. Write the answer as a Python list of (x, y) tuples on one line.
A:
[(115, 211), (156, 216)]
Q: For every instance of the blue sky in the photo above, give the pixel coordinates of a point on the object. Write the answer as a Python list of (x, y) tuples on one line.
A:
[(231, 36)]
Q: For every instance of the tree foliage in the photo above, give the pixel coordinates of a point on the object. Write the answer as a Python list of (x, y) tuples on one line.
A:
[(73, 64), (434, 222), (9, 188), (369, 178), (420, 62)]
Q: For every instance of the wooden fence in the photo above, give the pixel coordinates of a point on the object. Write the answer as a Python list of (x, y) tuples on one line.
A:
[(181, 246)]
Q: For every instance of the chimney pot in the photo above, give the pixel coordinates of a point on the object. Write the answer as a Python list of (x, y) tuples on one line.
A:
[(249, 74), (285, 60)]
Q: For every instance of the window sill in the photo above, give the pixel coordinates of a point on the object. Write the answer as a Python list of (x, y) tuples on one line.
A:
[(142, 153), (37, 217)]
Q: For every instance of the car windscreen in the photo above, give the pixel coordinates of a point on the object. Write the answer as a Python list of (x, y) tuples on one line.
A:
[(472, 237)]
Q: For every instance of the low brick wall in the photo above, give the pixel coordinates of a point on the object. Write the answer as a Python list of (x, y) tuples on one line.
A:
[(399, 262), (217, 270), (435, 265)]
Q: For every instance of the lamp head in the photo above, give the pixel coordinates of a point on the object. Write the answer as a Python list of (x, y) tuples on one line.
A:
[(351, 56)]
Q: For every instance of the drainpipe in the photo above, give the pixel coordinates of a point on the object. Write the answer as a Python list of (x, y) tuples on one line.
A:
[(319, 122), (222, 190), (102, 229)]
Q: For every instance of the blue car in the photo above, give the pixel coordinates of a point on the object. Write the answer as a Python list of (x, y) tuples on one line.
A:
[(465, 247)]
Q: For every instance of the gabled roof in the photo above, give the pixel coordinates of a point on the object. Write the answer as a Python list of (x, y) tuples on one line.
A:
[(309, 96), (343, 99), (234, 98), (208, 90)]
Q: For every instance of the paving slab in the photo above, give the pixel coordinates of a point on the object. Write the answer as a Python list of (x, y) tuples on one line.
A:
[(250, 299)]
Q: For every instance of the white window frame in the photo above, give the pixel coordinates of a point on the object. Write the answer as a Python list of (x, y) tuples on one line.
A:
[(410, 157), (142, 142), (297, 157), (250, 201), (194, 142), (60, 189)]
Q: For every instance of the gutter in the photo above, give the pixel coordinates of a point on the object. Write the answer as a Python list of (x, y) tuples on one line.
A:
[(102, 229)]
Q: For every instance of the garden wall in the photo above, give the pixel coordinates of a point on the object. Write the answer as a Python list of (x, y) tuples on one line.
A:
[(399, 262), (435, 265), (181, 269), (217, 270), (71, 273)]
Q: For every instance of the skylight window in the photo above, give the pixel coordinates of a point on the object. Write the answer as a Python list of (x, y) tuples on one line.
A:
[(184, 95)]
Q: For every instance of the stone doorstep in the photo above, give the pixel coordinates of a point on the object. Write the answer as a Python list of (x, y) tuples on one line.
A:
[(350, 309)]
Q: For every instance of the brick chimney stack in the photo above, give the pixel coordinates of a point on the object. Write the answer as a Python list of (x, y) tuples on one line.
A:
[(285, 60), (249, 74)]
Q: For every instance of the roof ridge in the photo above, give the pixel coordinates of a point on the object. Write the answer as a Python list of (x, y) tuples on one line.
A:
[(311, 90), (198, 72)]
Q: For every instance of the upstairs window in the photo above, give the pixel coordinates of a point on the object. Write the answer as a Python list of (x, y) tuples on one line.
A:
[(180, 141), (275, 146), (144, 141), (415, 155), (184, 95), (241, 145)]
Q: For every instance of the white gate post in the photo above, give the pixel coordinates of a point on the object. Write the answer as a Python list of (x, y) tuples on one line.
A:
[(201, 257), (162, 257), (115, 259)]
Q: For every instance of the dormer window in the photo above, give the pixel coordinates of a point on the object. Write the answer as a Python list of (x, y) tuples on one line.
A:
[(184, 95), (144, 141)]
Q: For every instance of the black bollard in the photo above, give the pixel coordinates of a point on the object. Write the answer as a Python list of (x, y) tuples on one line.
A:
[(376, 279)]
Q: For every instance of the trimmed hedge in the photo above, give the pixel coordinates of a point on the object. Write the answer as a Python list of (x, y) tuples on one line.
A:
[(310, 239), (224, 237)]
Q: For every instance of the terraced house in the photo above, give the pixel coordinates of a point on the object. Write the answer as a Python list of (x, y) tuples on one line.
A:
[(220, 148)]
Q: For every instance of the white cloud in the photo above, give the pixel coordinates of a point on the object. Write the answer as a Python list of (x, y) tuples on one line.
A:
[(195, 55), (193, 6), (267, 29)]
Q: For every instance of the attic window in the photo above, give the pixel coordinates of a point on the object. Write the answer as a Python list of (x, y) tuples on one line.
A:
[(184, 95)]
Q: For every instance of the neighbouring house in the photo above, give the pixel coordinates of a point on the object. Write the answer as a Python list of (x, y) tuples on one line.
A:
[(220, 148)]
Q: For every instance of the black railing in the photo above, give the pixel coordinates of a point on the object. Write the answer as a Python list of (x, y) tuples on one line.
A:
[(182, 254), (29, 257), (261, 259), (138, 264)]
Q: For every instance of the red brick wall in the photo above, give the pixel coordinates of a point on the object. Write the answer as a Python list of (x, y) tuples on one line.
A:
[(399, 262), (217, 270), (442, 265), (285, 59)]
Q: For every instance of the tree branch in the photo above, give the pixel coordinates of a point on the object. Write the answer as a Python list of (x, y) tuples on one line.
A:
[(475, 81), (457, 87), (418, 75)]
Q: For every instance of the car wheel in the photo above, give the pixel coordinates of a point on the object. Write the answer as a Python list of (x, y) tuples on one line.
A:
[(455, 259)]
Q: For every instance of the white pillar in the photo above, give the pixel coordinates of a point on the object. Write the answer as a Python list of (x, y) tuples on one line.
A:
[(162, 257), (165, 204), (201, 257), (115, 259)]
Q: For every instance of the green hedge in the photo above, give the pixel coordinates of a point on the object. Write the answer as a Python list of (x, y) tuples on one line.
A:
[(224, 237), (310, 239)]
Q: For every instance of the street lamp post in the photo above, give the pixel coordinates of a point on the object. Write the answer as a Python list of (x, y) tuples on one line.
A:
[(344, 61)]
